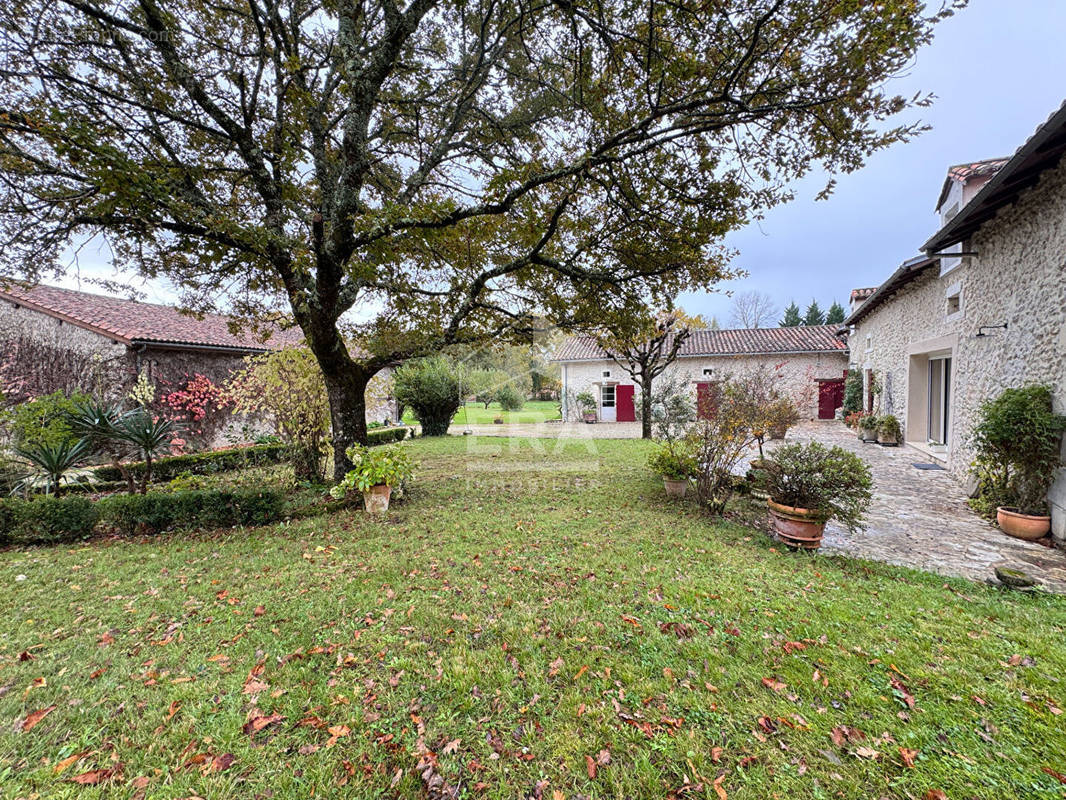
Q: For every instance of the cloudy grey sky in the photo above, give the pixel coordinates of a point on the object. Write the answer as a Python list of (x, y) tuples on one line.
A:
[(997, 69)]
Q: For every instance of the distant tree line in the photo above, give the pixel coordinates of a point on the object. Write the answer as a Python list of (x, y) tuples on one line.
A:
[(813, 316)]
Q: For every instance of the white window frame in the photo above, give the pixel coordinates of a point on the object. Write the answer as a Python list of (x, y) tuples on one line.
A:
[(953, 291)]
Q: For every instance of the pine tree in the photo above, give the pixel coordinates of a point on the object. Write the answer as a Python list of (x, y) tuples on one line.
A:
[(835, 315), (792, 316), (814, 315)]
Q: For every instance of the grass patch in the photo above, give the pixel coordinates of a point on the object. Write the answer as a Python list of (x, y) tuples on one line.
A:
[(476, 413), (533, 605)]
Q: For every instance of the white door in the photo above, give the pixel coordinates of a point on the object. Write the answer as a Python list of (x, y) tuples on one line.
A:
[(607, 407), (939, 400)]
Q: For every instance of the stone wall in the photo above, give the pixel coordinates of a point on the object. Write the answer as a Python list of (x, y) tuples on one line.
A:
[(1018, 277), (799, 374)]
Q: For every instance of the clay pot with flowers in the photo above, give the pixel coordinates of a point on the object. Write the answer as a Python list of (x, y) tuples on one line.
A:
[(376, 472), (676, 462)]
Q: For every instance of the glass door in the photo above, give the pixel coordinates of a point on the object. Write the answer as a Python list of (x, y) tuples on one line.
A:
[(939, 399)]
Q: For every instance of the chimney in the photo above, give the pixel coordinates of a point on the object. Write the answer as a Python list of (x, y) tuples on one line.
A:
[(859, 296)]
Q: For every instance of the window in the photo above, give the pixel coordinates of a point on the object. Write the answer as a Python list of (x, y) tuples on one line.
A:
[(606, 373), (869, 343), (953, 303), (607, 396), (708, 371)]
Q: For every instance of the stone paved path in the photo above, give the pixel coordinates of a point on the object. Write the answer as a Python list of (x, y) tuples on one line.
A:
[(919, 518)]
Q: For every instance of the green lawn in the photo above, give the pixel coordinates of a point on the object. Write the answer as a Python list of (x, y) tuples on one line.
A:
[(535, 620), (477, 414)]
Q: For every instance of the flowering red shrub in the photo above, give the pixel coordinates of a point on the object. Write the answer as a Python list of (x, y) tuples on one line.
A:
[(197, 405)]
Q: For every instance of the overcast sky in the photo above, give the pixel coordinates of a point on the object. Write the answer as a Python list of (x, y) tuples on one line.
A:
[(997, 69)]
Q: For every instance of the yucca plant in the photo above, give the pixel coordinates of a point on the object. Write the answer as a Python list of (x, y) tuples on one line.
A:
[(148, 434), (99, 424), (49, 467)]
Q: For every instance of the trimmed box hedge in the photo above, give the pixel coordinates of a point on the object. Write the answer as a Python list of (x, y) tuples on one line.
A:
[(386, 435), (168, 467), (46, 519), (200, 508)]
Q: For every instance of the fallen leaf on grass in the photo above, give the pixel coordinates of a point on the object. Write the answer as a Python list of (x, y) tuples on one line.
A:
[(935, 794), (451, 747), (908, 755), (259, 722), (93, 777), (901, 692), (867, 752), (68, 761), (1056, 775), (718, 790), (590, 767), (554, 667), (33, 718), (845, 733), (774, 684)]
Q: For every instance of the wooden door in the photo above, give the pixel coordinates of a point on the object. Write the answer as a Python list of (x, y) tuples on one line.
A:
[(625, 408), (706, 399), (830, 398)]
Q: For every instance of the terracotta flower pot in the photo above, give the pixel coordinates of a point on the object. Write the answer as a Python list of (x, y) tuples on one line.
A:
[(675, 488), (1022, 526), (800, 528), (376, 499), (888, 441), (589, 417)]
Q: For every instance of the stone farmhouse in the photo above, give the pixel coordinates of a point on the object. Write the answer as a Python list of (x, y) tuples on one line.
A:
[(811, 362), (982, 309), (59, 339)]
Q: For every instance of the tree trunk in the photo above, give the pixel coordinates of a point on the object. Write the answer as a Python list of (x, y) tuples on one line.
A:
[(346, 389), (645, 407)]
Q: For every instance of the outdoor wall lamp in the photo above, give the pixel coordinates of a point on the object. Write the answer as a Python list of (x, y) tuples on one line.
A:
[(981, 330)]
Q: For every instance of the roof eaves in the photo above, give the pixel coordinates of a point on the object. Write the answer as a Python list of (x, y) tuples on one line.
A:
[(957, 229), (903, 274), (42, 309)]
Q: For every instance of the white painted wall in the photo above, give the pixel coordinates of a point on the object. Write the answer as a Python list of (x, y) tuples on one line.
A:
[(799, 373)]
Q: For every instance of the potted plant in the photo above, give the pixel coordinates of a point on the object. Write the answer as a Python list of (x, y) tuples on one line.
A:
[(375, 471), (1017, 439), (889, 431), (587, 403), (498, 419), (852, 420), (868, 427), (677, 464), (809, 484)]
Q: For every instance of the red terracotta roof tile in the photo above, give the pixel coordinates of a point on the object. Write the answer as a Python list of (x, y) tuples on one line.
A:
[(130, 321), (741, 341)]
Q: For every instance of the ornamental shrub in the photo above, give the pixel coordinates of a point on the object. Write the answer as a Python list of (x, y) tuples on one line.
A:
[(509, 398), (1017, 439), (853, 392), (431, 388), (46, 520), (382, 466), (832, 481), (44, 421), (193, 509), (169, 467)]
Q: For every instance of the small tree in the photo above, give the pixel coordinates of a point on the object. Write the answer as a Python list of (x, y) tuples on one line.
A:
[(719, 443), (853, 392), (754, 393), (148, 434), (509, 398), (792, 317), (644, 348), (835, 315), (814, 314), (287, 386), (431, 387), (1018, 438)]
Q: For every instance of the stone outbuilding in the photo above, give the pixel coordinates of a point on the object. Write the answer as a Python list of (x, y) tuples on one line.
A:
[(810, 362), (982, 309), (56, 339)]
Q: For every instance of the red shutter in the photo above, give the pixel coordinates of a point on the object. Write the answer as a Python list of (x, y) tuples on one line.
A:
[(625, 410)]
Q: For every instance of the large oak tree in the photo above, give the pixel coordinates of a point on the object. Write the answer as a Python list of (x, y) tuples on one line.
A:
[(430, 171)]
